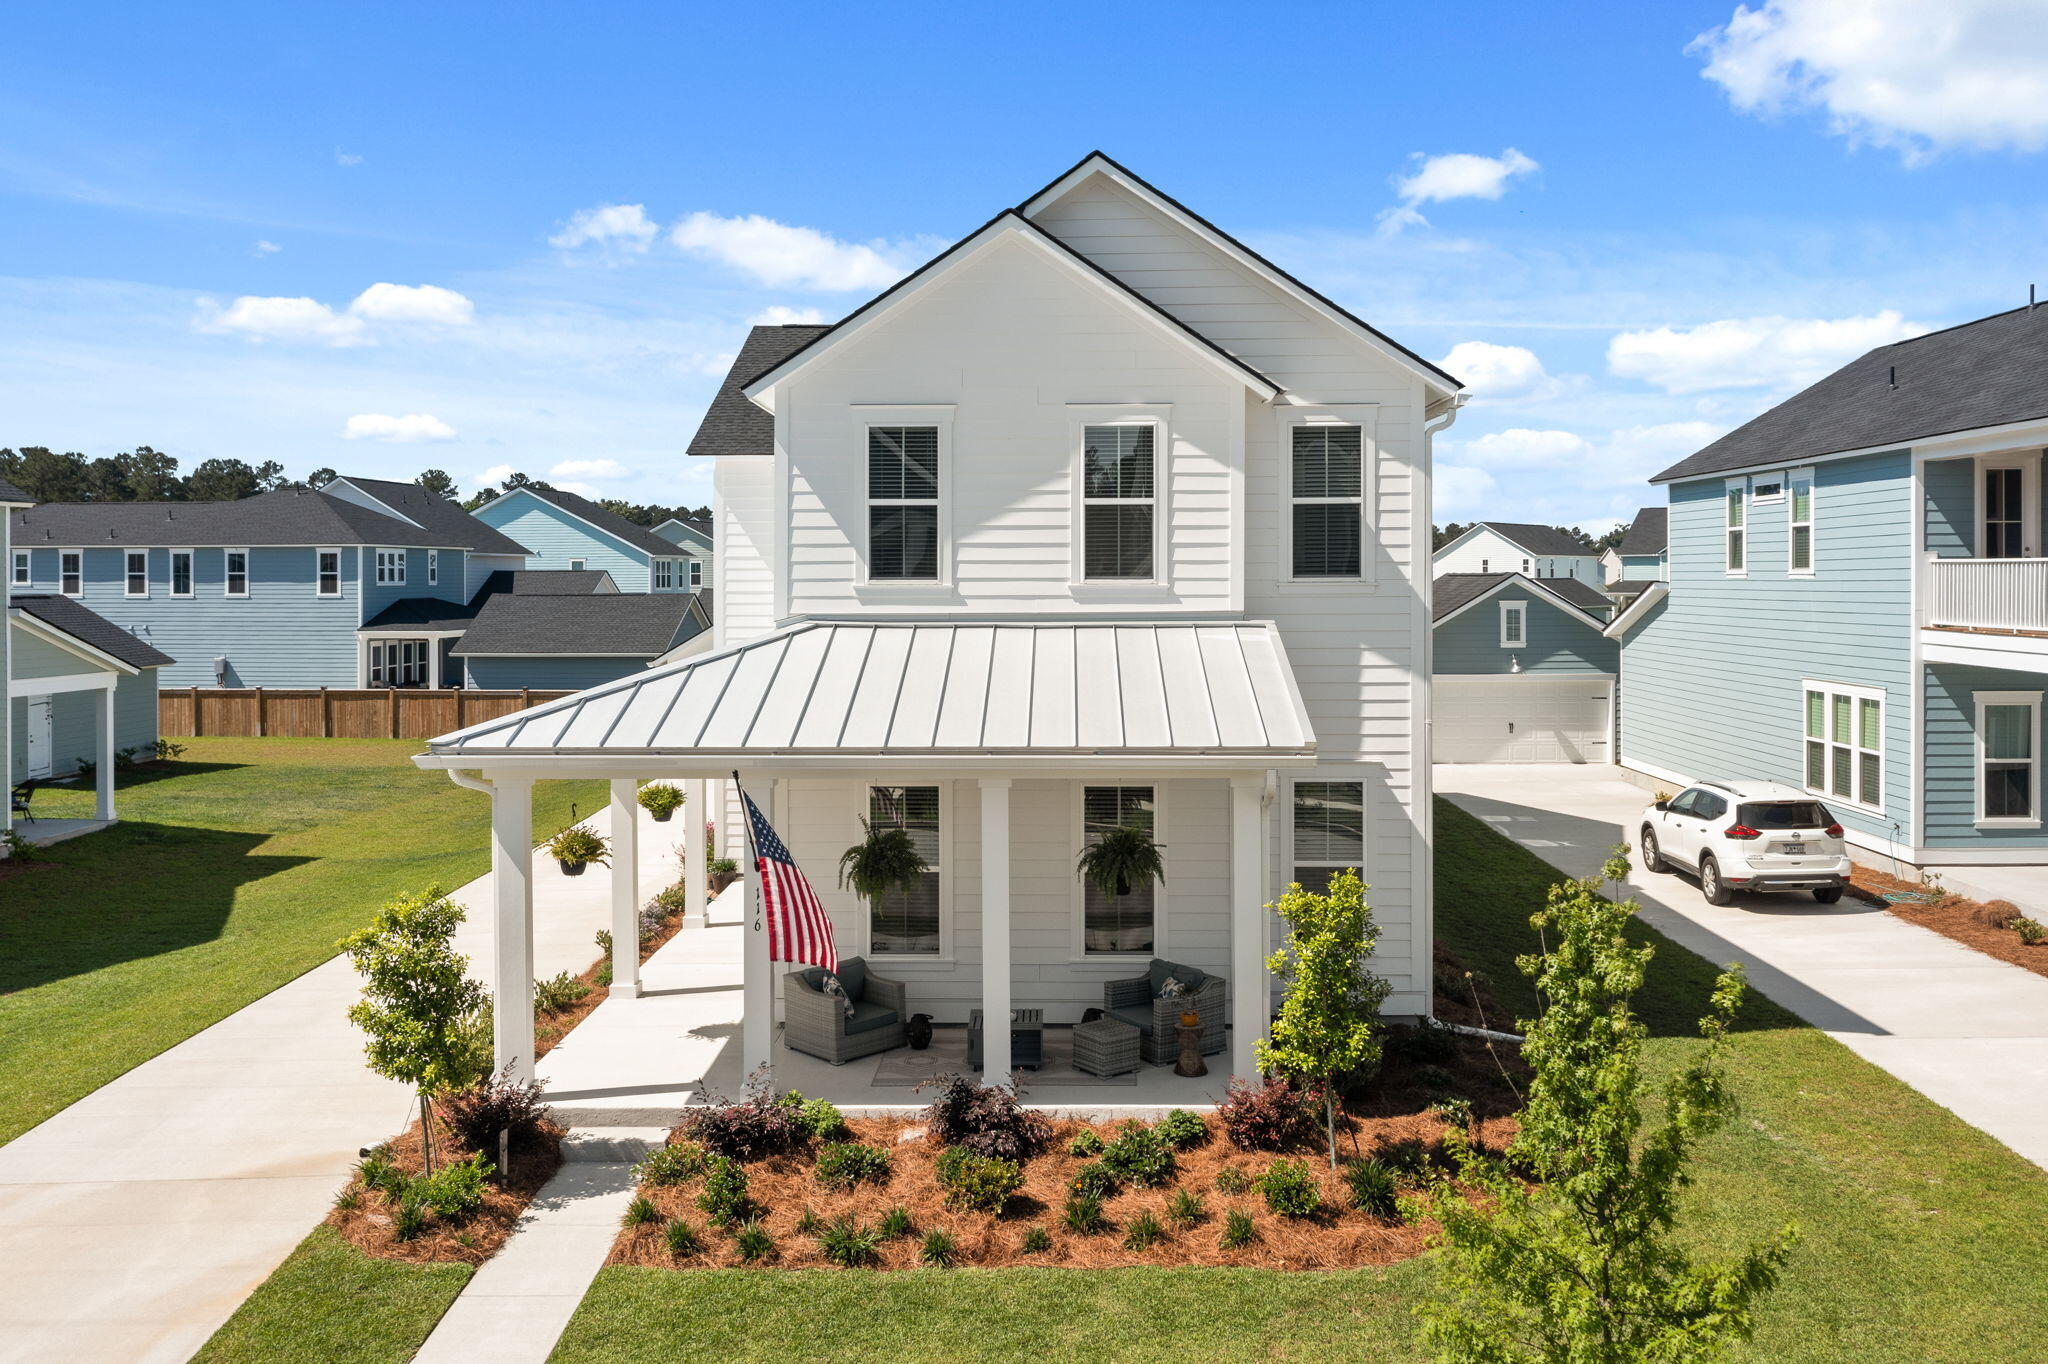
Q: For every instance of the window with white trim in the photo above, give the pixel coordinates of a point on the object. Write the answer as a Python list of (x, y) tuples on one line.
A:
[(391, 567), (1736, 538), (1329, 831), (664, 575), (235, 572), (577, 565), (181, 572), (327, 573), (1769, 489), (1514, 624), (23, 575), (1845, 743), (906, 921), (1799, 511), (433, 567), (696, 573), (903, 503), (1327, 487), (71, 572), (1119, 925), (135, 573), (2009, 759), (1119, 501)]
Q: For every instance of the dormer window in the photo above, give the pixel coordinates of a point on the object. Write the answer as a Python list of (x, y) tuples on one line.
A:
[(903, 503), (1119, 502)]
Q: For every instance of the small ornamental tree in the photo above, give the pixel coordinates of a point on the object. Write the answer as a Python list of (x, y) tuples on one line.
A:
[(1329, 1021), (418, 1008), (1580, 1268)]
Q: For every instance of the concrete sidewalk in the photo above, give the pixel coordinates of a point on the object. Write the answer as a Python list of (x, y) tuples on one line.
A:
[(133, 1223), (1968, 1031)]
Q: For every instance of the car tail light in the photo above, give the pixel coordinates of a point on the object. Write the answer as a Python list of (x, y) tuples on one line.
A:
[(1741, 831), (1833, 831)]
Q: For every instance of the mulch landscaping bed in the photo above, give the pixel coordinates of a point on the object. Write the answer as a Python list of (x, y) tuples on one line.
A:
[(550, 1028), (1975, 924), (368, 1224)]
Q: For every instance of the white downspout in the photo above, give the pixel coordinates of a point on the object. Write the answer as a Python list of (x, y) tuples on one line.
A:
[(1425, 798)]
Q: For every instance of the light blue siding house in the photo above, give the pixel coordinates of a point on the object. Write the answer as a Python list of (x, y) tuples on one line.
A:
[(1643, 556), (693, 538), (1858, 601), (1521, 669), (563, 531)]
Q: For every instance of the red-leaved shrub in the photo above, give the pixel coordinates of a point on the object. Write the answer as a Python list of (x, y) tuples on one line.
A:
[(986, 1120), (1267, 1115)]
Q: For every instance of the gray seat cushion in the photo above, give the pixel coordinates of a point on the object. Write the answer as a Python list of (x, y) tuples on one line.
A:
[(1158, 971), (1141, 1019), (868, 1017)]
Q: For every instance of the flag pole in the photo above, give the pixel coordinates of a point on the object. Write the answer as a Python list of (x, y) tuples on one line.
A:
[(757, 993), (753, 851)]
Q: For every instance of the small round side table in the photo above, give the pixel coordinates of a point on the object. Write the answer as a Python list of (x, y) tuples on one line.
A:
[(1190, 1062)]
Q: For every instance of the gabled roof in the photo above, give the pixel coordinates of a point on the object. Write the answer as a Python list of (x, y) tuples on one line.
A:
[(690, 528), (10, 493), (590, 513), (1629, 588), (619, 625), (734, 424), (1578, 592), (89, 628), (1453, 594), (289, 516), (547, 582), (1647, 534), (1990, 372), (1543, 541), (437, 514), (1631, 615)]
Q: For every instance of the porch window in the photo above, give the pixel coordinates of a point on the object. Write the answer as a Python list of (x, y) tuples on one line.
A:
[(1514, 624), (1328, 486), (327, 572), (1800, 509), (237, 572), (1329, 831), (2008, 764), (1845, 743), (1119, 925), (71, 572), (22, 576), (905, 922), (1119, 506), (1737, 532), (181, 572), (2005, 516), (135, 577), (391, 567), (903, 503)]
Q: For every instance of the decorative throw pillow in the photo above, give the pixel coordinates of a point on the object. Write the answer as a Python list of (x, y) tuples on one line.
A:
[(833, 988), (1171, 988)]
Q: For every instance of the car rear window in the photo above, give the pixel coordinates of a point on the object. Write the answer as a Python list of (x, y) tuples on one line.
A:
[(1785, 814)]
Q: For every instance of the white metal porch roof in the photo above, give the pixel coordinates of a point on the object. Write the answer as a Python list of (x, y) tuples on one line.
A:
[(1166, 689)]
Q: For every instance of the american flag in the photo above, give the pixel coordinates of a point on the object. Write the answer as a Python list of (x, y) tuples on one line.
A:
[(798, 927)]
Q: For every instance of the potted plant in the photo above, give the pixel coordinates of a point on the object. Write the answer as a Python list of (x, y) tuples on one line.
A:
[(661, 800), (722, 872), (885, 859), (577, 847), (1120, 858)]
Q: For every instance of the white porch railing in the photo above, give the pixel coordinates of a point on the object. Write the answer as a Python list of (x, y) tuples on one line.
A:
[(1986, 594)]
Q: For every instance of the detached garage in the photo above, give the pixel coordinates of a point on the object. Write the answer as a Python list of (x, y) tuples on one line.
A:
[(1522, 673)]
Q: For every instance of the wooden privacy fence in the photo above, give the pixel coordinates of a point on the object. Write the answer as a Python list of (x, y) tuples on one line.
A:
[(332, 712)]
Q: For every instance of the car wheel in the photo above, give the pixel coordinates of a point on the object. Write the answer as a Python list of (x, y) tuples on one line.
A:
[(1653, 857), (1712, 886), (1827, 895)]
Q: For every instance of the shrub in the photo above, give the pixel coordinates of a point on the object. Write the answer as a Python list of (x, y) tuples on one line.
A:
[(1408, 1158), (1436, 1080), (1093, 1180), (1427, 1042), (744, 1129), (938, 1250), (665, 905), (1036, 1241), (895, 1224), (683, 1239), (725, 1198), (410, 1219), (660, 799), (1290, 1189), (982, 1183), (456, 1190), (1233, 1181), (752, 1242), (1139, 1156), (557, 993), (1271, 1115), (844, 1164), (1182, 1130), (476, 1115), (677, 1163), (1142, 1232), (986, 1120), (848, 1244), (1372, 1188), (819, 1119), (1087, 1142), (1238, 1231), (380, 1175), (1186, 1209), (639, 1213), (2031, 931), (1083, 1215)]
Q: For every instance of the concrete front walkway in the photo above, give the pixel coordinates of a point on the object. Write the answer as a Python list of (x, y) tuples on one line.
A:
[(1966, 1030), (133, 1223)]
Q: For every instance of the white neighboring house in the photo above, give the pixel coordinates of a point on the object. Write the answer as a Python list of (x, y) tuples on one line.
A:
[(1098, 516), (1516, 547)]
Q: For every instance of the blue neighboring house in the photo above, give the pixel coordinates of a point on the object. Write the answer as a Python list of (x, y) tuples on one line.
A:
[(1521, 670), (693, 538), (1858, 601), (1643, 556), (563, 531)]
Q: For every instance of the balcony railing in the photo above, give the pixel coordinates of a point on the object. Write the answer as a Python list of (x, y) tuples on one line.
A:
[(1986, 594)]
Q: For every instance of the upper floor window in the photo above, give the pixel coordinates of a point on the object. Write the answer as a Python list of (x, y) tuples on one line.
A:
[(23, 577), (576, 565), (1800, 509), (433, 567), (1329, 831), (328, 573), (906, 921), (391, 566), (236, 564), (696, 573), (1514, 624), (1845, 743), (903, 503), (1119, 501), (1125, 924), (181, 572), (1737, 532), (135, 575), (71, 572), (664, 575), (1327, 477)]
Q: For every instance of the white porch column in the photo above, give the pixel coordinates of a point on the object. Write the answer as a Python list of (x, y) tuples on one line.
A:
[(1250, 993), (625, 888), (757, 1019), (434, 661), (995, 930), (103, 801), (696, 809), (512, 921)]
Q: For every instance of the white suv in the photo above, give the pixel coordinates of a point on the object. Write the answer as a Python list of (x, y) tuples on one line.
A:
[(1747, 836)]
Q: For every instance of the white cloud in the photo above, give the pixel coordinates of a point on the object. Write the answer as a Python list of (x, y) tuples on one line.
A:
[(1460, 492), (406, 430), (1453, 175), (1754, 352), (624, 226), (267, 248), (342, 158), (491, 477), (1920, 76), (306, 319), (569, 485), (781, 315), (414, 303), (588, 468), (1520, 447), (785, 257), (1492, 371)]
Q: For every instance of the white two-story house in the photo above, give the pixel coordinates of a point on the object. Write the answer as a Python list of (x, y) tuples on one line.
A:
[(1099, 517), (1518, 547)]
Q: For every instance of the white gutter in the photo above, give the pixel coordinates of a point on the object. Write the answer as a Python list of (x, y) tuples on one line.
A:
[(1637, 609)]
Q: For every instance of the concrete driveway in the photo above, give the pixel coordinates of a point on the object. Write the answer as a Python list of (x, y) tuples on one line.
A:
[(1968, 1031)]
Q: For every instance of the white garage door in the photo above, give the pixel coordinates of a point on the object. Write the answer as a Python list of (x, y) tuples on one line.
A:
[(1521, 718)]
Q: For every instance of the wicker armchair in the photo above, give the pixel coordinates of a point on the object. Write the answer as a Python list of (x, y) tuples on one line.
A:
[(816, 1024), (1136, 1002)]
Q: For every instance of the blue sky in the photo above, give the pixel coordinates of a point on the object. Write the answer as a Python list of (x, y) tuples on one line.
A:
[(350, 235)]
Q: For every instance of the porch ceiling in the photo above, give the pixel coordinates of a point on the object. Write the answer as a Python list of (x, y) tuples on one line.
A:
[(1172, 691)]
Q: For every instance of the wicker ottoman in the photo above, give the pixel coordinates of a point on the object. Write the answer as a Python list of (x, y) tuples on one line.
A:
[(1105, 1047)]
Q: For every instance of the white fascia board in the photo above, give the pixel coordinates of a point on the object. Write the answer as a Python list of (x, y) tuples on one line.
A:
[(2010, 653), (1645, 599), (70, 644), (1463, 536), (1530, 584)]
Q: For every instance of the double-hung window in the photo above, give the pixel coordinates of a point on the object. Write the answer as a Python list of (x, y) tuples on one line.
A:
[(664, 575), (235, 575), (1845, 743), (2009, 759), (696, 573), (23, 575), (1799, 509), (1737, 533), (1329, 831), (1326, 476), (1126, 924), (135, 573), (1514, 624), (181, 572), (391, 566), (906, 921), (903, 503), (327, 573), (71, 572), (1119, 501)]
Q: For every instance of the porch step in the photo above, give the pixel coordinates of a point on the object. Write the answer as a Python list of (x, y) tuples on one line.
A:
[(612, 1145)]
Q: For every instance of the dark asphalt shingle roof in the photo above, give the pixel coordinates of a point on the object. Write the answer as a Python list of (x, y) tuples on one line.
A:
[(422, 613), (636, 624), (1983, 373), (432, 613), (1579, 593), (1647, 534), (88, 626), (1628, 589), (605, 520), (439, 515), (10, 493), (1454, 590), (733, 425), (289, 516), (1537, 539)]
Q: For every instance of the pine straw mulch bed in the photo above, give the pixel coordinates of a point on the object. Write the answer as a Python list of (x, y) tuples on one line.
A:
[(1340, 1237), (1976, 924), (368, 1224)]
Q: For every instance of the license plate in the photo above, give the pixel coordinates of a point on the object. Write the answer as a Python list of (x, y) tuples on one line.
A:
[(1792, 849)]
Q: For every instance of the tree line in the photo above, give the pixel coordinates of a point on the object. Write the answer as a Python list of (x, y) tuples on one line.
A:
[(640, 514), (1443, 535)]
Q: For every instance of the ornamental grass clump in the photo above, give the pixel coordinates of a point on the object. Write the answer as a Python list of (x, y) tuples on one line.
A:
[(896, 1224), (639, 1213), (1373, 1189), (1037, 1240), (987, 1120), (1238, 1231), (1094, 1180), (981, 1183), (683, 1239), (850, 1245), (1083, 1215), (1142, 1232), (938, 1251), (1186, 1209), (559, 992), (1232, 1181), (844, 1164), (752, 1243)]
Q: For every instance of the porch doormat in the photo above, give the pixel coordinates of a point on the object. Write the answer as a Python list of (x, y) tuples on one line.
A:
[(947, 1055)]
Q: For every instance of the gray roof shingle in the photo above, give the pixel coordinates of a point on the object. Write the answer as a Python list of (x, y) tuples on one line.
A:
[(88, 626), (605, 520), (1454, 590), (1983, 373), (10, 493), (439, 515), (733, 425), (630, 624), (434, 613), (1647, 534), (289, 516), (1538, 539), (1579, 593)]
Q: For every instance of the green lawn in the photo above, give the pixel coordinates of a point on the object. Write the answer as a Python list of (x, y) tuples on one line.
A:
[(233, 870)]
